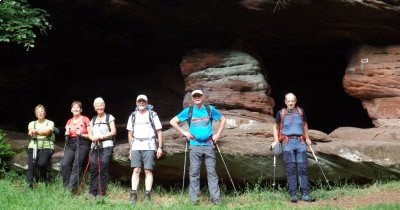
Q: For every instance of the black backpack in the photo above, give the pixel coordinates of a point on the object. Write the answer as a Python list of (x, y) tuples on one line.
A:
[(107, 122)]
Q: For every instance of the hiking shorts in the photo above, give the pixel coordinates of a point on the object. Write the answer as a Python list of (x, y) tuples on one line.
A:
[(142, 157)]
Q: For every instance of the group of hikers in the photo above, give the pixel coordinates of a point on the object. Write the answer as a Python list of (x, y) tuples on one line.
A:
[(93, 140)]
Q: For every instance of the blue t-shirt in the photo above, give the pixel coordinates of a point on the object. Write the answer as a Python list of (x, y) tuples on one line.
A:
[(200, 125)]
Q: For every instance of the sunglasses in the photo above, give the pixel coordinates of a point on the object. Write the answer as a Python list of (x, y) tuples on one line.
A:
[(197, 96), (141, 100)]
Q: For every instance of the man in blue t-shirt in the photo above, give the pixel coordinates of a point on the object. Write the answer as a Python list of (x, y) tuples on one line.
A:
[(201, 138)]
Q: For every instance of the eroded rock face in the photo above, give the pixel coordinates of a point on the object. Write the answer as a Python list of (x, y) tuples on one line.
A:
[(230, 79), (351, 154), (373, 76)]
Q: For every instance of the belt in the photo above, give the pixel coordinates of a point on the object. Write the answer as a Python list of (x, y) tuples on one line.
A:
[(294, 137), (143, 139)]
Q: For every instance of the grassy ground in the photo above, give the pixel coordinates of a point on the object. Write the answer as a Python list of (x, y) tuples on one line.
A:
[(14, 195)]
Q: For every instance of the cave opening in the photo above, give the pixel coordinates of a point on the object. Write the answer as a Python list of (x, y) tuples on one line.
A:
[(314, 75), (116, 56)]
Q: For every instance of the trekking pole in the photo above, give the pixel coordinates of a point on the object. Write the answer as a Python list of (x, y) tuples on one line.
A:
[(34, 155), (274, 165), (234, 188), (316, 160), (99, 167), (184, 166), (273, 182), (77, 154), (84, 175), (35, 147)]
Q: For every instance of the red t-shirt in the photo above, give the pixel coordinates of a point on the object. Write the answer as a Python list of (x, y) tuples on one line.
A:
[(82, 124)]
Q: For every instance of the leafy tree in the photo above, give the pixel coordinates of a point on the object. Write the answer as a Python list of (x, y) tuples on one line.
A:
[(5, 151), (18, 22)]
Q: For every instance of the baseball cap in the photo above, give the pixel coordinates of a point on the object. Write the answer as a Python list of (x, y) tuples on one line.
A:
[(197, 92), (144, 97)]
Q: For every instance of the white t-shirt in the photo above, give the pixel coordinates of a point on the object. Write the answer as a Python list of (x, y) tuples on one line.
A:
[(143, 132), (100, 128)]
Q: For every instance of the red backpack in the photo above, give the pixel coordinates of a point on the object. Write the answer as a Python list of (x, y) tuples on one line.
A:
[(283, 114)]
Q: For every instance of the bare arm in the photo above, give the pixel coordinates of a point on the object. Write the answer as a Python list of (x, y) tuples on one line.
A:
[(160, 143), (305, 130), (275, 130), (174, 123), (221, 127)]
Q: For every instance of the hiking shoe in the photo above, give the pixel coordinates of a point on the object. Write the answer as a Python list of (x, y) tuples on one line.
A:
[(91, 196), (147, 196), (216, 202), (293, 198), (133, 197), (308, 198)]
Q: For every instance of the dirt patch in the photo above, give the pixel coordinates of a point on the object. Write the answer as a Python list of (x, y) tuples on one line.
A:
[(391, 196)]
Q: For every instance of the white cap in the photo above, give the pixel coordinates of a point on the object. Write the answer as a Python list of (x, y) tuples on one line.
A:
[(141, 97), (197, 92)]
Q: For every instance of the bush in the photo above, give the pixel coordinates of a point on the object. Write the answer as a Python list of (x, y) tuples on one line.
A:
[(5, 152), (19, 22)]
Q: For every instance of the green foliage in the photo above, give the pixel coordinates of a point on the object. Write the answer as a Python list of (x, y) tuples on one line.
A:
[(5, 151), (18, 22)]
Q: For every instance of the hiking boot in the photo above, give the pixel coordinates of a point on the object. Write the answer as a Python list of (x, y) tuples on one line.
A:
[(147, 196), (294, 198), (91, 196), (308, 198), (195, 202), (133, 197), (216, 202)]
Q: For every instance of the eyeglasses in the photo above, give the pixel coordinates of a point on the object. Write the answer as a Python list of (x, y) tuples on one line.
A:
[(197, 96)]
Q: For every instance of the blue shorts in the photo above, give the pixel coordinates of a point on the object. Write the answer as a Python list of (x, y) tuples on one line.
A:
[(142, 157)]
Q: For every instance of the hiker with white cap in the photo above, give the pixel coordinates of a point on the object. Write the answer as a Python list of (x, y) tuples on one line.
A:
[(145, 141), (201, 140)]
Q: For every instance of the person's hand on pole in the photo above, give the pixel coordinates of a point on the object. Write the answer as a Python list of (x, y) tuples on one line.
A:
[(188, 135), (159, 152), (215, 137), (273, 145)]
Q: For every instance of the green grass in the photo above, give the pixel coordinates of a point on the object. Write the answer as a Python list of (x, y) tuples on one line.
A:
[(14, 195)]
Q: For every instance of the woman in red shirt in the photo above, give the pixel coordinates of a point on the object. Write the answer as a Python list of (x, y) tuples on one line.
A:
[(77, 147)]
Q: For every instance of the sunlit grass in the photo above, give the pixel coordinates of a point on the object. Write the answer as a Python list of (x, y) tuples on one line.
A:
[(254, 196)]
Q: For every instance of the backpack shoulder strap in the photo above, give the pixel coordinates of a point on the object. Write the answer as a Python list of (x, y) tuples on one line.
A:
[(283, 114), (133, 118), (94, 120), (209, 112), (300, 112), (108, 121), (151, 116), (190, 113)]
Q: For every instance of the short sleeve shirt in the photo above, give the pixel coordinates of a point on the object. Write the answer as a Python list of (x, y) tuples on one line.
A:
[(200, 125)]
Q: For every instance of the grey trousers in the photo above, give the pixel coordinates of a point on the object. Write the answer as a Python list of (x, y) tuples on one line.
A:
[(197, 155)]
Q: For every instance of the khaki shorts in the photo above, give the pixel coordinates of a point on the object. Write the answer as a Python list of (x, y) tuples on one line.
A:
[(142, 157)]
